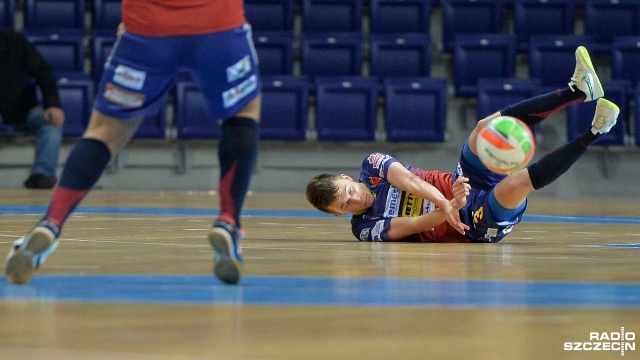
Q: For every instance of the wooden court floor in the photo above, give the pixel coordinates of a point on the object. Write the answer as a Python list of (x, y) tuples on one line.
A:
[(131, 279)]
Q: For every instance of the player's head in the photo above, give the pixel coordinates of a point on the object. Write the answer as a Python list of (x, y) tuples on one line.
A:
[(322, 190), (338, 194)]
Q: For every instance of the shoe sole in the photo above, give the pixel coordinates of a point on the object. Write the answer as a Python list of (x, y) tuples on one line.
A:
[(20, 267), (603, 120), (226, 268), (586, 59)]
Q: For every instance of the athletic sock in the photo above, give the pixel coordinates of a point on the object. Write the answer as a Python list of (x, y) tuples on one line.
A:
[(551, 166), (84, 166), (534, 110), (237, 152)]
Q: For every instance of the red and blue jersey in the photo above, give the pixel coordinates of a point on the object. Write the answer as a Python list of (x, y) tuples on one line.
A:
[(391, 202), (181, 17)]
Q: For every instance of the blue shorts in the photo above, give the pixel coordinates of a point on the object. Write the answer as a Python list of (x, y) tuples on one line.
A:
[(481, 204), (141, 69)]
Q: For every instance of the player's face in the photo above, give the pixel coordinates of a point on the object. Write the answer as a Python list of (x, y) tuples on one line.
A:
[(352, 197)]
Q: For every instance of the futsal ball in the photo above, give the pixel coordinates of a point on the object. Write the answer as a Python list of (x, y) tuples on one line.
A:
[(505, 145)]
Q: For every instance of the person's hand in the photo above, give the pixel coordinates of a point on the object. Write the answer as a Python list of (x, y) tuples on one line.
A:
[(54, 116), (461, 189), (453, 218)]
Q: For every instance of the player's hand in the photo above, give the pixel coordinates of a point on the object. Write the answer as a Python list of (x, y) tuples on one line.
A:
[(54, 116), (461, 190), (453, 218)]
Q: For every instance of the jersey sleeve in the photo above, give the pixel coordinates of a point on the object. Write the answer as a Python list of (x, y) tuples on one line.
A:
[(376, 165), (370, 230)]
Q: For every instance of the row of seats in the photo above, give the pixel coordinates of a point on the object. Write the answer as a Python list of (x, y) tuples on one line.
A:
[(603, 19), (551, 58), (61, 14), (346, 108)]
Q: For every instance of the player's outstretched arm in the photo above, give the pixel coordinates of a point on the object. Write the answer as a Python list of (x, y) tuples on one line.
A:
[(404, 226), (405, 180)]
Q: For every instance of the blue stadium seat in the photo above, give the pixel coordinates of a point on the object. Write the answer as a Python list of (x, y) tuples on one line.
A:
[(415, 109), (270, 15), (538, 17), (400, 54), (63, 49), (54, 14), (481, 55), (494, 94), (470, 17), (284, 108), (331, 15), (346, 108), (331, 54), (106, 14), (7, 11), (625, 59), (393, 16), (552, 59), (101, 42), (275, 52), (579, 118), (192, 119), (606, 19), (76, 95)]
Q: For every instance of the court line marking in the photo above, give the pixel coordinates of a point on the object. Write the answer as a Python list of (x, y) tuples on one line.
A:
[(323, 291), (40, 209)]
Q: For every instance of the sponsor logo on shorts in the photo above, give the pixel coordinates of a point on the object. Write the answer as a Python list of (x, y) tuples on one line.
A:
[(491, 233), (235, 94), (364, 234), (120, 96), (239, 69), (128, 77)]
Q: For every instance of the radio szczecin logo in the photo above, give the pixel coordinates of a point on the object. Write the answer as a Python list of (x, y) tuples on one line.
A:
[(605, 341)]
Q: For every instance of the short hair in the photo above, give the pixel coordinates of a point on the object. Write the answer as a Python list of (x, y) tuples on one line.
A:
[(322, 190)]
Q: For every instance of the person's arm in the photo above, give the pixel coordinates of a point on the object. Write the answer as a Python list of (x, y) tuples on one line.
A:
[(401, 227), (405, 180), (42, 72), (404, 226)]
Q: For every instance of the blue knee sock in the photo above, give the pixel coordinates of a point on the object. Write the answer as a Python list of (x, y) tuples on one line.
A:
[(237, 152)]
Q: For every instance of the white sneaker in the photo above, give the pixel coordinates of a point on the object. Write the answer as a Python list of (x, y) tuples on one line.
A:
[(225, 240), (30, 251), (605, 117), (584, 76)]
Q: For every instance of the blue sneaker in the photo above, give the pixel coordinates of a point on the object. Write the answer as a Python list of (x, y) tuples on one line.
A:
[(30, 251), (225, 240)]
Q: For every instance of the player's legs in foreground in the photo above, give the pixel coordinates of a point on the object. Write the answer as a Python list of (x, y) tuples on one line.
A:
[(237, 152), (511, 192), (104, 137)]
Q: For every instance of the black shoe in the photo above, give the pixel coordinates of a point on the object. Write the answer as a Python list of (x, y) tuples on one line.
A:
[(40, 181)]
